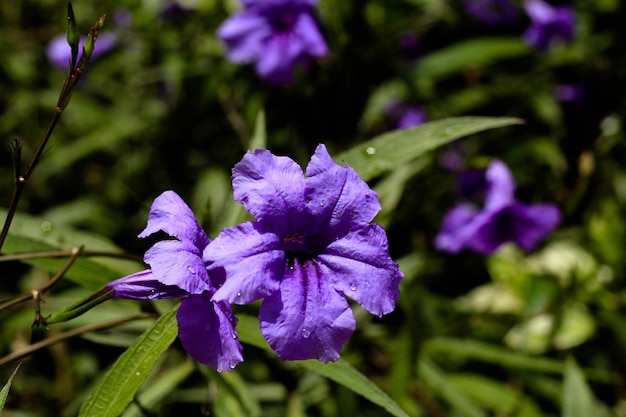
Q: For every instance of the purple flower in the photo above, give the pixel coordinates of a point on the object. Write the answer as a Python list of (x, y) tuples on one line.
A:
[(405, 116), (492, 12), (549, 25), (311, 246), (276, 35), (179, 270), (59, 51), (570, 93), (502, 219)]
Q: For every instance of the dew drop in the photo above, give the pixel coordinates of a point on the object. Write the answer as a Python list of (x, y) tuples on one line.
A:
[(235, 336), (306, 333), (367, 284), (370, 150), (239, 294), (353, 286), (322, 203), (137, 373), (232, 364), (46, 226), (191, 270)]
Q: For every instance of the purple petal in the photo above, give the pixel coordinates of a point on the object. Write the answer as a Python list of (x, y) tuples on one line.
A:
[(308, 34), (523, 224), (245, 35), (457, 228), (534, 223), (359, 266), (500, 186), (549, 24), (174, 262), (207, 332), (59, 51), (539, 11), (306, 318), (338, 194), (172, 215), (144, 286), (280, 55), (253, 260), (271, 189)]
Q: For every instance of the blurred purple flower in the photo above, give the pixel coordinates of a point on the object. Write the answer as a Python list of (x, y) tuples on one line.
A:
[(178, 269), (570, 93), (492, 12), (549, 25), (405, 116), (59, 51), (502, 219), (311, 246), (276, 35)]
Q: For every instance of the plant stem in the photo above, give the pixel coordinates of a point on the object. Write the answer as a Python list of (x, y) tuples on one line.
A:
[(67, 335), (65, 253)]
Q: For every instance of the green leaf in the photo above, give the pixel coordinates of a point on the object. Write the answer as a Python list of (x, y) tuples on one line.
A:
[(578, 400), (341, 371), (121, 382), (390, 150), (32, 234), (472, 53), (4, 392), (443, 387)]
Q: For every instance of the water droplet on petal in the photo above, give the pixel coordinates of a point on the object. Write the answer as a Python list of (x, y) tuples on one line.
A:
[(370, 150), (367, 284), (191, 270), (232, 364), (235, 336), (353, 286), (306, 332), (239, 294), (322, 203)]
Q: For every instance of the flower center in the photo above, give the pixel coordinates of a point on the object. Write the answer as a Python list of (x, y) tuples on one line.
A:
[(284, 20)]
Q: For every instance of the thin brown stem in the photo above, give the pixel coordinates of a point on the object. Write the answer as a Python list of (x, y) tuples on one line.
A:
[(67, 335), (65, 253)]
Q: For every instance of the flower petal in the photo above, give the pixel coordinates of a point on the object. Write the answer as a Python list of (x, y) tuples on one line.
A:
[(253, 261), (359, 266), (309, 36), (338, 193), (306, 318), (500, 186), (207, 332), (245, 35), (174, 262), (534, 223), (457, 228), (172, 215), (143, 286), (271, 189)]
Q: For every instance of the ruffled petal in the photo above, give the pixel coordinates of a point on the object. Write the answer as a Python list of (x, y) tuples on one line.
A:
[(338, 194), (252, 259), (143, 286), (271, 189), (207, 332), (245, 35), (306, 318), (457, 228), (279, 58), (172, 215), (359, 266), (174, 262)]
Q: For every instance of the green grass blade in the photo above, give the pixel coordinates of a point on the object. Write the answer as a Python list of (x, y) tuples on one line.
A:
[(578, 400), (4, 392), (121, 382), (390, 150)]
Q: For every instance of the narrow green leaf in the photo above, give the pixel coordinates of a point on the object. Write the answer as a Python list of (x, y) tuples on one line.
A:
[(122, 381), (443, 387), (259, 137), (578, 400), (4, 392), (390, 150), (478, 52), (341, 371)]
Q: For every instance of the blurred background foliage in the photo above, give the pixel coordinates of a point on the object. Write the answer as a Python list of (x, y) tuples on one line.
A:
[(513, 334)]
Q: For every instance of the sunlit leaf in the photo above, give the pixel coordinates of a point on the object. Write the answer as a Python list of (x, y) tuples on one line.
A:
[(121, 382), (4, 392), (390, 150)]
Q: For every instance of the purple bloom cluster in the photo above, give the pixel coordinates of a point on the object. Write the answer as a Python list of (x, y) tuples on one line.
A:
[(276, 35), (502, 218), (492, 12), (311, 246), (59, 52), (549, 25)]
